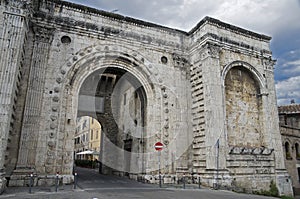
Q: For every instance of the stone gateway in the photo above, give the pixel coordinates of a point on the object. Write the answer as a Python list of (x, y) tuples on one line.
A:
[(208, 95)]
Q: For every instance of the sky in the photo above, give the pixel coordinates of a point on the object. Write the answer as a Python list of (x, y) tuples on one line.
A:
[(279, 19)]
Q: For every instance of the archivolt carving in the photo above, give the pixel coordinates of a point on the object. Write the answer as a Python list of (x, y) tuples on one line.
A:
[(255, 72)]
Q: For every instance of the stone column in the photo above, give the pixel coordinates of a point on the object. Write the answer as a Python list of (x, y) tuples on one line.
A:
[(283, 180), (13, 36), (214, 117), (32, 112)]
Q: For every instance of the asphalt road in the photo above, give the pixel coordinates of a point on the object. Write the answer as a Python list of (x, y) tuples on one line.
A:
[(89, 179), (92, 185)]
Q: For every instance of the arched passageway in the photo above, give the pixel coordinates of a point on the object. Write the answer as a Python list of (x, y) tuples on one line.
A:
[(117, 100)]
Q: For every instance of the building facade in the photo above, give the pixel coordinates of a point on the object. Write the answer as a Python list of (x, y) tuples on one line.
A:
[(208, 95), (289, 117), (87, 138)]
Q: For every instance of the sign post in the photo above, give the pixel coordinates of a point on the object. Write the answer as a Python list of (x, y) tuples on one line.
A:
[(30, 182), (159, 147)]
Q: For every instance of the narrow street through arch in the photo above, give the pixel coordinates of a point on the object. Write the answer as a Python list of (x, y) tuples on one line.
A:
[(91, 179)]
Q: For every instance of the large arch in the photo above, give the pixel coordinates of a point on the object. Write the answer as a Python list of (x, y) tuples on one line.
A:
[(118, 100), (96, 58)]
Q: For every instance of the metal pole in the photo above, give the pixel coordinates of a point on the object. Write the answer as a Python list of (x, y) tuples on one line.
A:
[(75, 180), (159, 169), (217, 181), (56, 182), (183, 181), (199, 182), (30, 182)]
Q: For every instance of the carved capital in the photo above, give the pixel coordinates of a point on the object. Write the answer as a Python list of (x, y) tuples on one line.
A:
[(210, 50), (43, 34), (269, 63), (19, 6)]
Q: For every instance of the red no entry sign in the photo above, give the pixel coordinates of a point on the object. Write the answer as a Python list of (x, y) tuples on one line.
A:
[(158, 146)]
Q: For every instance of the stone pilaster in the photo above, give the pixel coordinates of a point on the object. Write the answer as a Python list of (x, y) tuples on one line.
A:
[(283, 180), (13, 37), (30, 132), (213, 113)]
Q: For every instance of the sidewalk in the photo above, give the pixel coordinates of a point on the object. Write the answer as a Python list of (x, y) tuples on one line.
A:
[(10, 191)]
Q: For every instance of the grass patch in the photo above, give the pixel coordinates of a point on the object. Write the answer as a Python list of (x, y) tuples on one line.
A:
[(286, 197), (273, 191)]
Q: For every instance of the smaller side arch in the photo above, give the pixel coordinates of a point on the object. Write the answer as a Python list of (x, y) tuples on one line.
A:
[(243, 106)]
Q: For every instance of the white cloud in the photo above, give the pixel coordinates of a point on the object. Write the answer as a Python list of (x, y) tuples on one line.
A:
[(287, 90), (269, 16), (294, 63), (279, 19)]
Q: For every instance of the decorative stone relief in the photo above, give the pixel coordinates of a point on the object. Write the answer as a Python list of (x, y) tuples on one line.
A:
[(51, 144), (89, 50), (50, 153), (50, 161), (269, 63), (54, 108), (56, 89), (250, 151), (55, 99), (53, 126), (49, 170), (53, 117), (59, 80), (180, 62)]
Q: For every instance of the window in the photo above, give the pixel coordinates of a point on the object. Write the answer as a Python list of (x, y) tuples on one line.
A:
[(285, 120), (97, 135), (297, 151), (92, 134), (287, 151)]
